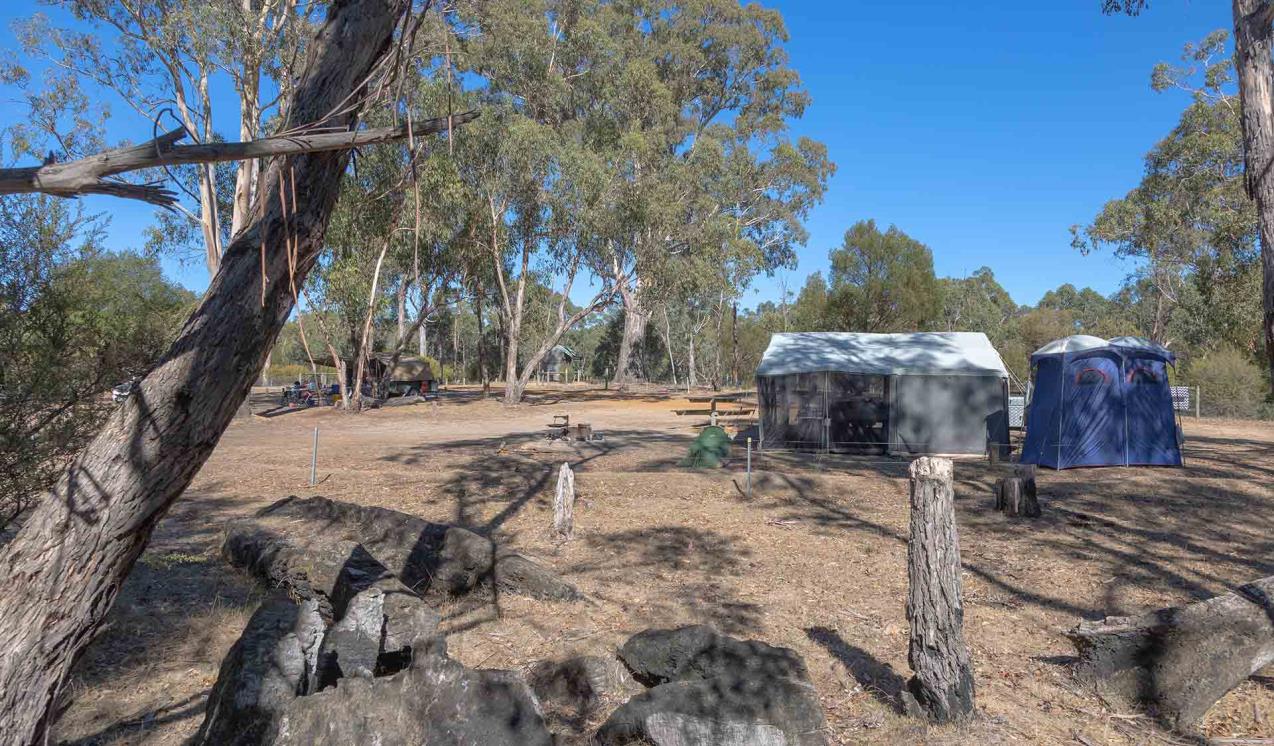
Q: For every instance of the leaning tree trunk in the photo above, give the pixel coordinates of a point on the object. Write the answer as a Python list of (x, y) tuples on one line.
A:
[(942, 689), (64, 569), (1253, 44), (628, 366), (1179, 661)]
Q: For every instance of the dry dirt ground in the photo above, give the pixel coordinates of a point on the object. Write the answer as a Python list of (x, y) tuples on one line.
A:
[(815, 560)]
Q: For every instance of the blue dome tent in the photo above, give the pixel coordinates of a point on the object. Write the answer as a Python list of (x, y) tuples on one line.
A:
[(1101, 403)]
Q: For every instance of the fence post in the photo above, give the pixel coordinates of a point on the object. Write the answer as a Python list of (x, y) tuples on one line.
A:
[(1198, 403), (749, 466), (314, 460), (564, 503)]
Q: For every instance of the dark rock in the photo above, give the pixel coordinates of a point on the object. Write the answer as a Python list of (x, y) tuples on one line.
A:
[(582, 685), (517, 574), (410, 623), (657, 656), (435, 701), (311, 565), (726, 710), (714, 689), (353, 645), (310, 544), (264, 671)]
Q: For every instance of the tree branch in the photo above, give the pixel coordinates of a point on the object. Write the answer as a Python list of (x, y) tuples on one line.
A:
[(91, 175)]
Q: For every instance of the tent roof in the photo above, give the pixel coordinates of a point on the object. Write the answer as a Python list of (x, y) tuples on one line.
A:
[(1084, 343), (945, 353)]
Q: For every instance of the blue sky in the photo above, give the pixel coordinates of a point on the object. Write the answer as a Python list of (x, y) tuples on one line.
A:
[(983, 129)]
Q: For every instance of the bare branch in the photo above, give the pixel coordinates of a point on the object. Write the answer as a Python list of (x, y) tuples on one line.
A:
[(91, 175)]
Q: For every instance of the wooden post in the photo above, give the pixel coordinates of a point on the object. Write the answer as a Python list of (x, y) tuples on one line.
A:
[(1016, 495), (564, 503), (942, 687)]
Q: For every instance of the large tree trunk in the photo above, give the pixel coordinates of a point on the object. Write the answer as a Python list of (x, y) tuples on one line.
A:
[(478, 302), (65, 567), (734, 344), (691, 374), (942, 688), (628, 366), (514, 384), (1181, 660), (1253, 43), (672, 361)]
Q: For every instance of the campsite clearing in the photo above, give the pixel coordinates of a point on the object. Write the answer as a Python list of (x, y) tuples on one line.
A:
[(815, 561)]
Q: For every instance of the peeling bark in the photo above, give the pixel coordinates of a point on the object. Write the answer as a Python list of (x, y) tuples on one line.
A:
[(942, 688), (1253, 45), (64, 569), (629, 365)]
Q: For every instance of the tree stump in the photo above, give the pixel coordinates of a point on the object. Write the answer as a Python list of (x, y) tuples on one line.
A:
[(1016, 495), (564, 503), (942, 687)]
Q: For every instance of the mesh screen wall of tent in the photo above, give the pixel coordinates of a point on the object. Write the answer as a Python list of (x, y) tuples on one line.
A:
[(883, 393)]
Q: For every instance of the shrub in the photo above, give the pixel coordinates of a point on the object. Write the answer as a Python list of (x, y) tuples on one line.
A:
[(1232, 385)]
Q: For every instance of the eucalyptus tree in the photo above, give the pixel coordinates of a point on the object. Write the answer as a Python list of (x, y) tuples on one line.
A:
[(160, 57), (709, 163), (882, 282), (1254, 64), (1189, 222), (534, 180), (66, 565)]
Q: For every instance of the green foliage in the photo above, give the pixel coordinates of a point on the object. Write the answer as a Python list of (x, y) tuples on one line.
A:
[(74, 321), (882, 282), (1232, 384), (1189, 224)]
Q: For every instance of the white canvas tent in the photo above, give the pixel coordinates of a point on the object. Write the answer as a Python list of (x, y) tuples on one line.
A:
[(926, 392)]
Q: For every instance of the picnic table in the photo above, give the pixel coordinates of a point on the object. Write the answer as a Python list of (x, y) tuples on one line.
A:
[(713, 410)]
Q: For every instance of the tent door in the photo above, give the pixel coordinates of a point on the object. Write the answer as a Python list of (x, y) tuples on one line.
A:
[(857, 413), (1093, 428), (1152, 427)]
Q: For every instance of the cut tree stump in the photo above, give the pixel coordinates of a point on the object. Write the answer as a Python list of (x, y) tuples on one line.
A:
[(564, 503), (1179, 661), (1016, 495), (942, 687)]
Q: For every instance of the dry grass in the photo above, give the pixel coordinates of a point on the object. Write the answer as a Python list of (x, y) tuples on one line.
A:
[(815, 560)]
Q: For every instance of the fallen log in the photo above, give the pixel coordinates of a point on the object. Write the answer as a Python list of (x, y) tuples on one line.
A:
[(1179, 661)]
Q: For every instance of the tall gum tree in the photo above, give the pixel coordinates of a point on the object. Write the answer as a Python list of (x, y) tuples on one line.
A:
[(1253, 47), (63, 570), (159, 58)]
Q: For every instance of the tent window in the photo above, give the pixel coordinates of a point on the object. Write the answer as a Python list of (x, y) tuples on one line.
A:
[(1091, 377), (1143, 375)]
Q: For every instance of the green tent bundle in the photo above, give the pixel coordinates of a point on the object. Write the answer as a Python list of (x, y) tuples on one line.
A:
[(709, 449)]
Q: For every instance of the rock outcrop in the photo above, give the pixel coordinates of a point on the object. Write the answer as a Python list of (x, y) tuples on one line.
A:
[(707, 688)]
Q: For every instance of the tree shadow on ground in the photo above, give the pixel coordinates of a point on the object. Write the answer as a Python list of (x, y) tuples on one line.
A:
[(1191, 530), (687, 564), (123, 731), (166, 626), (872, 675), (495, 478)]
